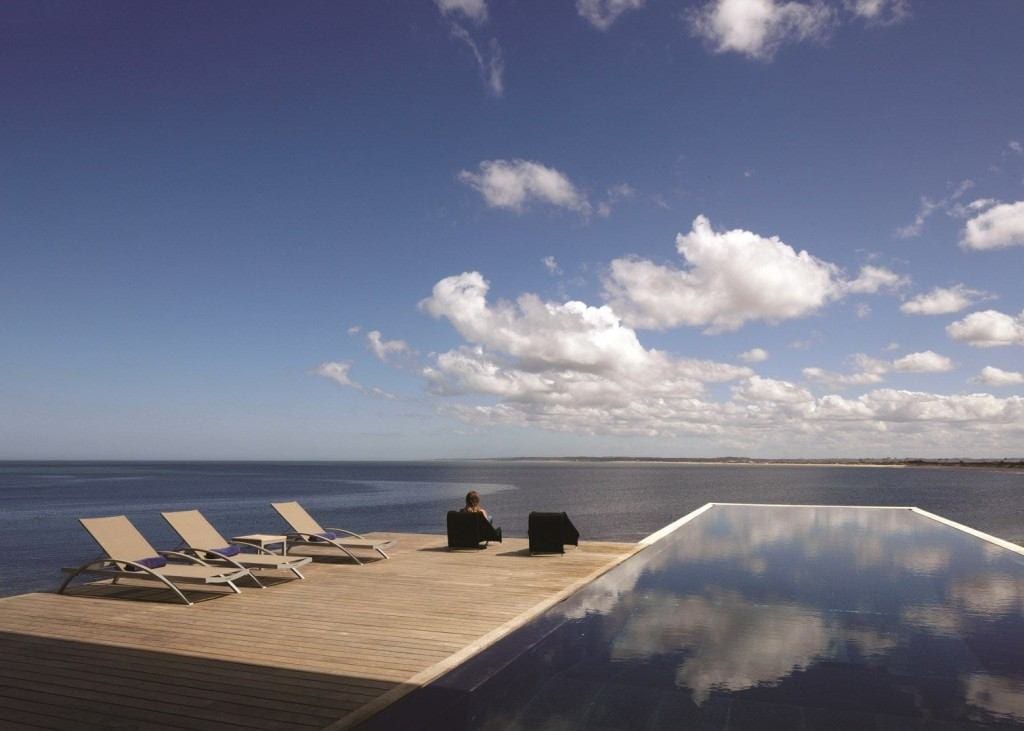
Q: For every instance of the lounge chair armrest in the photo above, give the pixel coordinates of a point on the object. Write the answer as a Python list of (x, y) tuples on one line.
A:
[(346, 532), (186, 556)]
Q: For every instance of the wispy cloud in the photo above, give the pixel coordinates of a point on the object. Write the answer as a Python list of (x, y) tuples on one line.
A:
[(929, 207), (603, 13), (489, 59), (386, 350)]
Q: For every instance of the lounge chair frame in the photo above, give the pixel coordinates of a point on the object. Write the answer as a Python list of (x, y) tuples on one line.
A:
[(116, 568), (117, 535), (310, 538), (291, 563)]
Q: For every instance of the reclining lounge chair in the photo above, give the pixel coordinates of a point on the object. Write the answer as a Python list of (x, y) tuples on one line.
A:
[(308, 532), (470, 530), (550, 532), (128, 555), (203, 540)]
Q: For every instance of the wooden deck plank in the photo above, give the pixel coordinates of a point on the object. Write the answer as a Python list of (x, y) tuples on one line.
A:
[(325, 652)]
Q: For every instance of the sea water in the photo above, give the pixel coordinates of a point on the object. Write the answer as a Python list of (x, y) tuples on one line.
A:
[(40, 503)]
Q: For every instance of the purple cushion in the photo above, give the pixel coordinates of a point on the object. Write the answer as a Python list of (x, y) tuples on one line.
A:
[(229, 550), (329, 535), (153, 562)]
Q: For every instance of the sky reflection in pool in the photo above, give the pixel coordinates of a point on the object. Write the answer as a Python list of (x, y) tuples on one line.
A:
[(766, 617)]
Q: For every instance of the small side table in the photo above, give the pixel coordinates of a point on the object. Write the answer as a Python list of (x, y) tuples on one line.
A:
[(262, 540)]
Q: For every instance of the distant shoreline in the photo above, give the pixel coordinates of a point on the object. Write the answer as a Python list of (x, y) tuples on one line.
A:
[(999, 464)]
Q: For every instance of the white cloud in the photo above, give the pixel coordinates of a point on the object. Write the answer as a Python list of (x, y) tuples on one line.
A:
[(354, 330), (862, 310), (1016, 146), (475, 10), (337, 372), (929, 207), (942, 301), (603, 13), (571, 367), (489, 59), (884, 12), (872, 279), (757, 28), (988, 329), (512, 184), (999, 227), (732, 277), (927, 361), (870, 370), (551, 264), (992, 376), (385, 350), (754, 355)]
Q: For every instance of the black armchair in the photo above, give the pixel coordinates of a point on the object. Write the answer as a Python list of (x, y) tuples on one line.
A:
[(470, 530), (551, 532)]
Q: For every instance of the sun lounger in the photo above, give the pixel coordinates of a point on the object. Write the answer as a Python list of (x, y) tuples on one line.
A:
[(203, 540), (307, 531), (128, 555)]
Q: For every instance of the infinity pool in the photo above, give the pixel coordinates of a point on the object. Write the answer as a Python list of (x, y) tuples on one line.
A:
[(763, 617)]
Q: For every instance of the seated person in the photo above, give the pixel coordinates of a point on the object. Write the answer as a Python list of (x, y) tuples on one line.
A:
[(473, 505)]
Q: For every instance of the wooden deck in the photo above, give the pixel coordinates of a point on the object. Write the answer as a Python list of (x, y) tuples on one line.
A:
[(327, 651)]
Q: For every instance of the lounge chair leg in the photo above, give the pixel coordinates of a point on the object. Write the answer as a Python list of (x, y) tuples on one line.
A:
[(297, 573), (234, 588), (381, 552), (259, 583)]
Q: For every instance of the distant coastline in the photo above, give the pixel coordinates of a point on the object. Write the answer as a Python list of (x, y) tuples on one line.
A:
[(1013, 463)]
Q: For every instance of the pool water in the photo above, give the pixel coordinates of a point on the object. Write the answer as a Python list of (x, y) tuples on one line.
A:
[(761, 617)]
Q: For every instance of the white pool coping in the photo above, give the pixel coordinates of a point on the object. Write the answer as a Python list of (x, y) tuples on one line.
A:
[(671, 527)]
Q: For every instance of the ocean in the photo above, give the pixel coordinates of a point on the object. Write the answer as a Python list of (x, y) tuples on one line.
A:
[(40, 503)]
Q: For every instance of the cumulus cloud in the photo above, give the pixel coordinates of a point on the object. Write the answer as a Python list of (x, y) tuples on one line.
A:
[(992, 376), (386, 350), (754, 355), (512, 184), (337, 372), (988, 329), (757, 28), (573, 367), (999, 227), (603, 13), (942, 301), (475, 10), (927, 361), (732, 277)]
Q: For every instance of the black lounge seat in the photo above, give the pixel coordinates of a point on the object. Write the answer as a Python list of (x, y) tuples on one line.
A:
[(470, 530), (551, 532)]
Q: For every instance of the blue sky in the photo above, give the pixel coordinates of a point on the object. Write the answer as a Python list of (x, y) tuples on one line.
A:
[(466, 228)]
